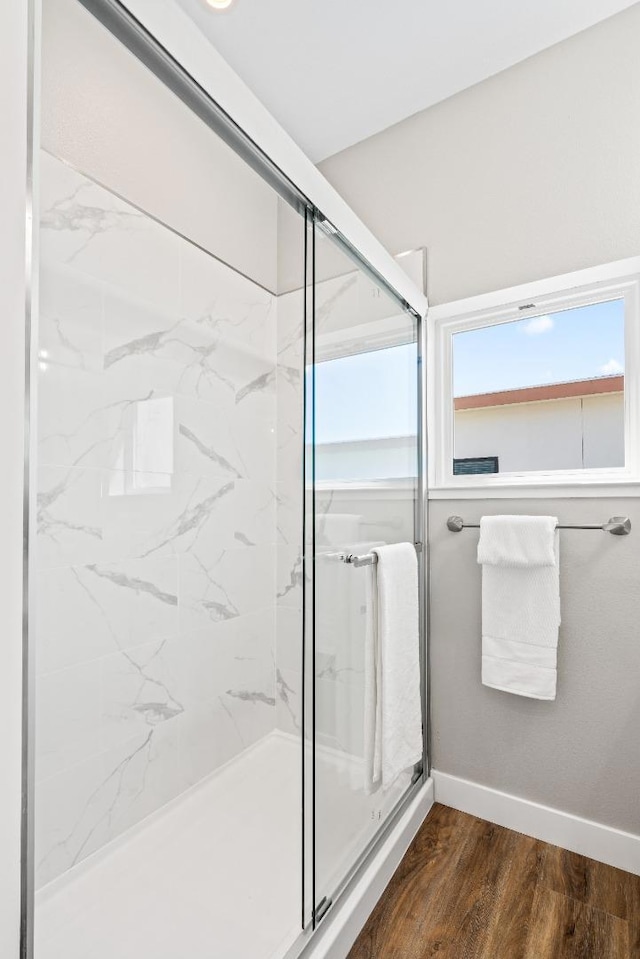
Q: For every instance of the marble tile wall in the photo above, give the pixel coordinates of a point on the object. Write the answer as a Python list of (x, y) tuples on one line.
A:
[(156, 509)]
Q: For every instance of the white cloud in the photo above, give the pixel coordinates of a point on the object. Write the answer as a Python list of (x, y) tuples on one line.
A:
[(611, 367), (539, 324)]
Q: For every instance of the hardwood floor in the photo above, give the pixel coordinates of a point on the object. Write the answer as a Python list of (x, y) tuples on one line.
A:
[(467, 889)]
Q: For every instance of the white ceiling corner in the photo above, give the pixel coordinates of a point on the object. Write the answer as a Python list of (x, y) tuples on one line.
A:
[(336, 72)]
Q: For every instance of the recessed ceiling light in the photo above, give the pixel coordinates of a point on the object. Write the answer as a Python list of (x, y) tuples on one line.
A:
[(219, 4)]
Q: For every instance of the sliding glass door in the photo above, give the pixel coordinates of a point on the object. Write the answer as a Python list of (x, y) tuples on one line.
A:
[(167, 563), (366, 466)]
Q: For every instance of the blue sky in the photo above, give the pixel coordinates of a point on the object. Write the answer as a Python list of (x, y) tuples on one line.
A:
[(572, 345), (374, 394), (367, 395)]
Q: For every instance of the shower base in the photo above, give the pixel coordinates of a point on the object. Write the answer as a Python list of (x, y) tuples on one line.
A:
[(216, 874), (213, 875)]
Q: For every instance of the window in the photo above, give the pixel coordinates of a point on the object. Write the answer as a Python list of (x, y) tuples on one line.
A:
[(537, 384), (366, 416)]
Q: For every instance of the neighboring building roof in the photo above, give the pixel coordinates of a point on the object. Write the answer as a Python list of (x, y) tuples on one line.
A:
[(537, 394)]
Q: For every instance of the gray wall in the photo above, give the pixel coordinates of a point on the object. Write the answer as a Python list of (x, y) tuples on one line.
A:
[(579, 753), (532, 173)]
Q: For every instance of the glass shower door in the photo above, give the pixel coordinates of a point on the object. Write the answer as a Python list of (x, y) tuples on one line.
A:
[(166, 645), (365, 431)]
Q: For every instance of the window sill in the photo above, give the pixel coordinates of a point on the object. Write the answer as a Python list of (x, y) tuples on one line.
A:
[(403, 488), (591, 489)]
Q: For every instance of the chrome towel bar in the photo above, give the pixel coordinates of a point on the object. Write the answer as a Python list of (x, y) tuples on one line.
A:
[(366, 559), (618, 525)]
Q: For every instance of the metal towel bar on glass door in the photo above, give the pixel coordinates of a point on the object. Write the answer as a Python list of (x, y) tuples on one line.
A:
[(618, 525), (367, 559)]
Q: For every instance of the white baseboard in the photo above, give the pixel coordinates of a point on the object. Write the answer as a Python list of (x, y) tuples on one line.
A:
[(592, 839), (337, 933)]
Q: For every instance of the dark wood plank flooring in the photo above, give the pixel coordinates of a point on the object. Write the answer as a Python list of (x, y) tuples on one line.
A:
[(467, 889)]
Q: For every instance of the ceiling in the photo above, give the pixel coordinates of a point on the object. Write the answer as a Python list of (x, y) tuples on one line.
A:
[(334, 72)]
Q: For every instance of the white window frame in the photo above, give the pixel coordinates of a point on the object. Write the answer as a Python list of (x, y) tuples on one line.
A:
[(619, 280)]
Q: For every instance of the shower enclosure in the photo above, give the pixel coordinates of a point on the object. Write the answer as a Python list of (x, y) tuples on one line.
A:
[(226, 407)]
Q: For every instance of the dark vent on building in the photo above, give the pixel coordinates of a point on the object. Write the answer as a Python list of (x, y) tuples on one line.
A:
[(475, 464)]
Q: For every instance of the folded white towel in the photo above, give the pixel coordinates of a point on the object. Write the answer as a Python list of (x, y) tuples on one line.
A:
[(517, 541), (393, 714), (520, 604)]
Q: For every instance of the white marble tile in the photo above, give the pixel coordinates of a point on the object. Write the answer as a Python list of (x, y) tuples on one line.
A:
[(209, 738), (86, 709), (69, 517), (85, 806), (70, 626), (289, 429), (72, 423), (230, 698), (289, 511), (70, 326), (224, 654), (145, 351), (290, 335), (206, 443), (156, 515), (142, 438), (255, 423), (68, 718), (255, 510), (289, 700), (85, 612), (142, 688), (71, 420), (289, 578), (153, 349), (219, 372), (87, 227), (227, 306), (222, 584), (143, 775), (234, 443), (71, 817), (289, 638)]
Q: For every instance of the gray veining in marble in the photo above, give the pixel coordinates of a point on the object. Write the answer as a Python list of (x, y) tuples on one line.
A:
[(70, 214), (209, 452), (294, 579), (260, 383), (191, 520), (285, 694), (249, 696), (137, 585)]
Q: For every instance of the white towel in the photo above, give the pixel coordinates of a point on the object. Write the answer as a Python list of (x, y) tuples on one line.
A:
[(520, 604), (393, 714)]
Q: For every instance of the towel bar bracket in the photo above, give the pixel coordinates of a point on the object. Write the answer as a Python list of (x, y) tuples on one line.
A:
[(617, 525), (367, 559)]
